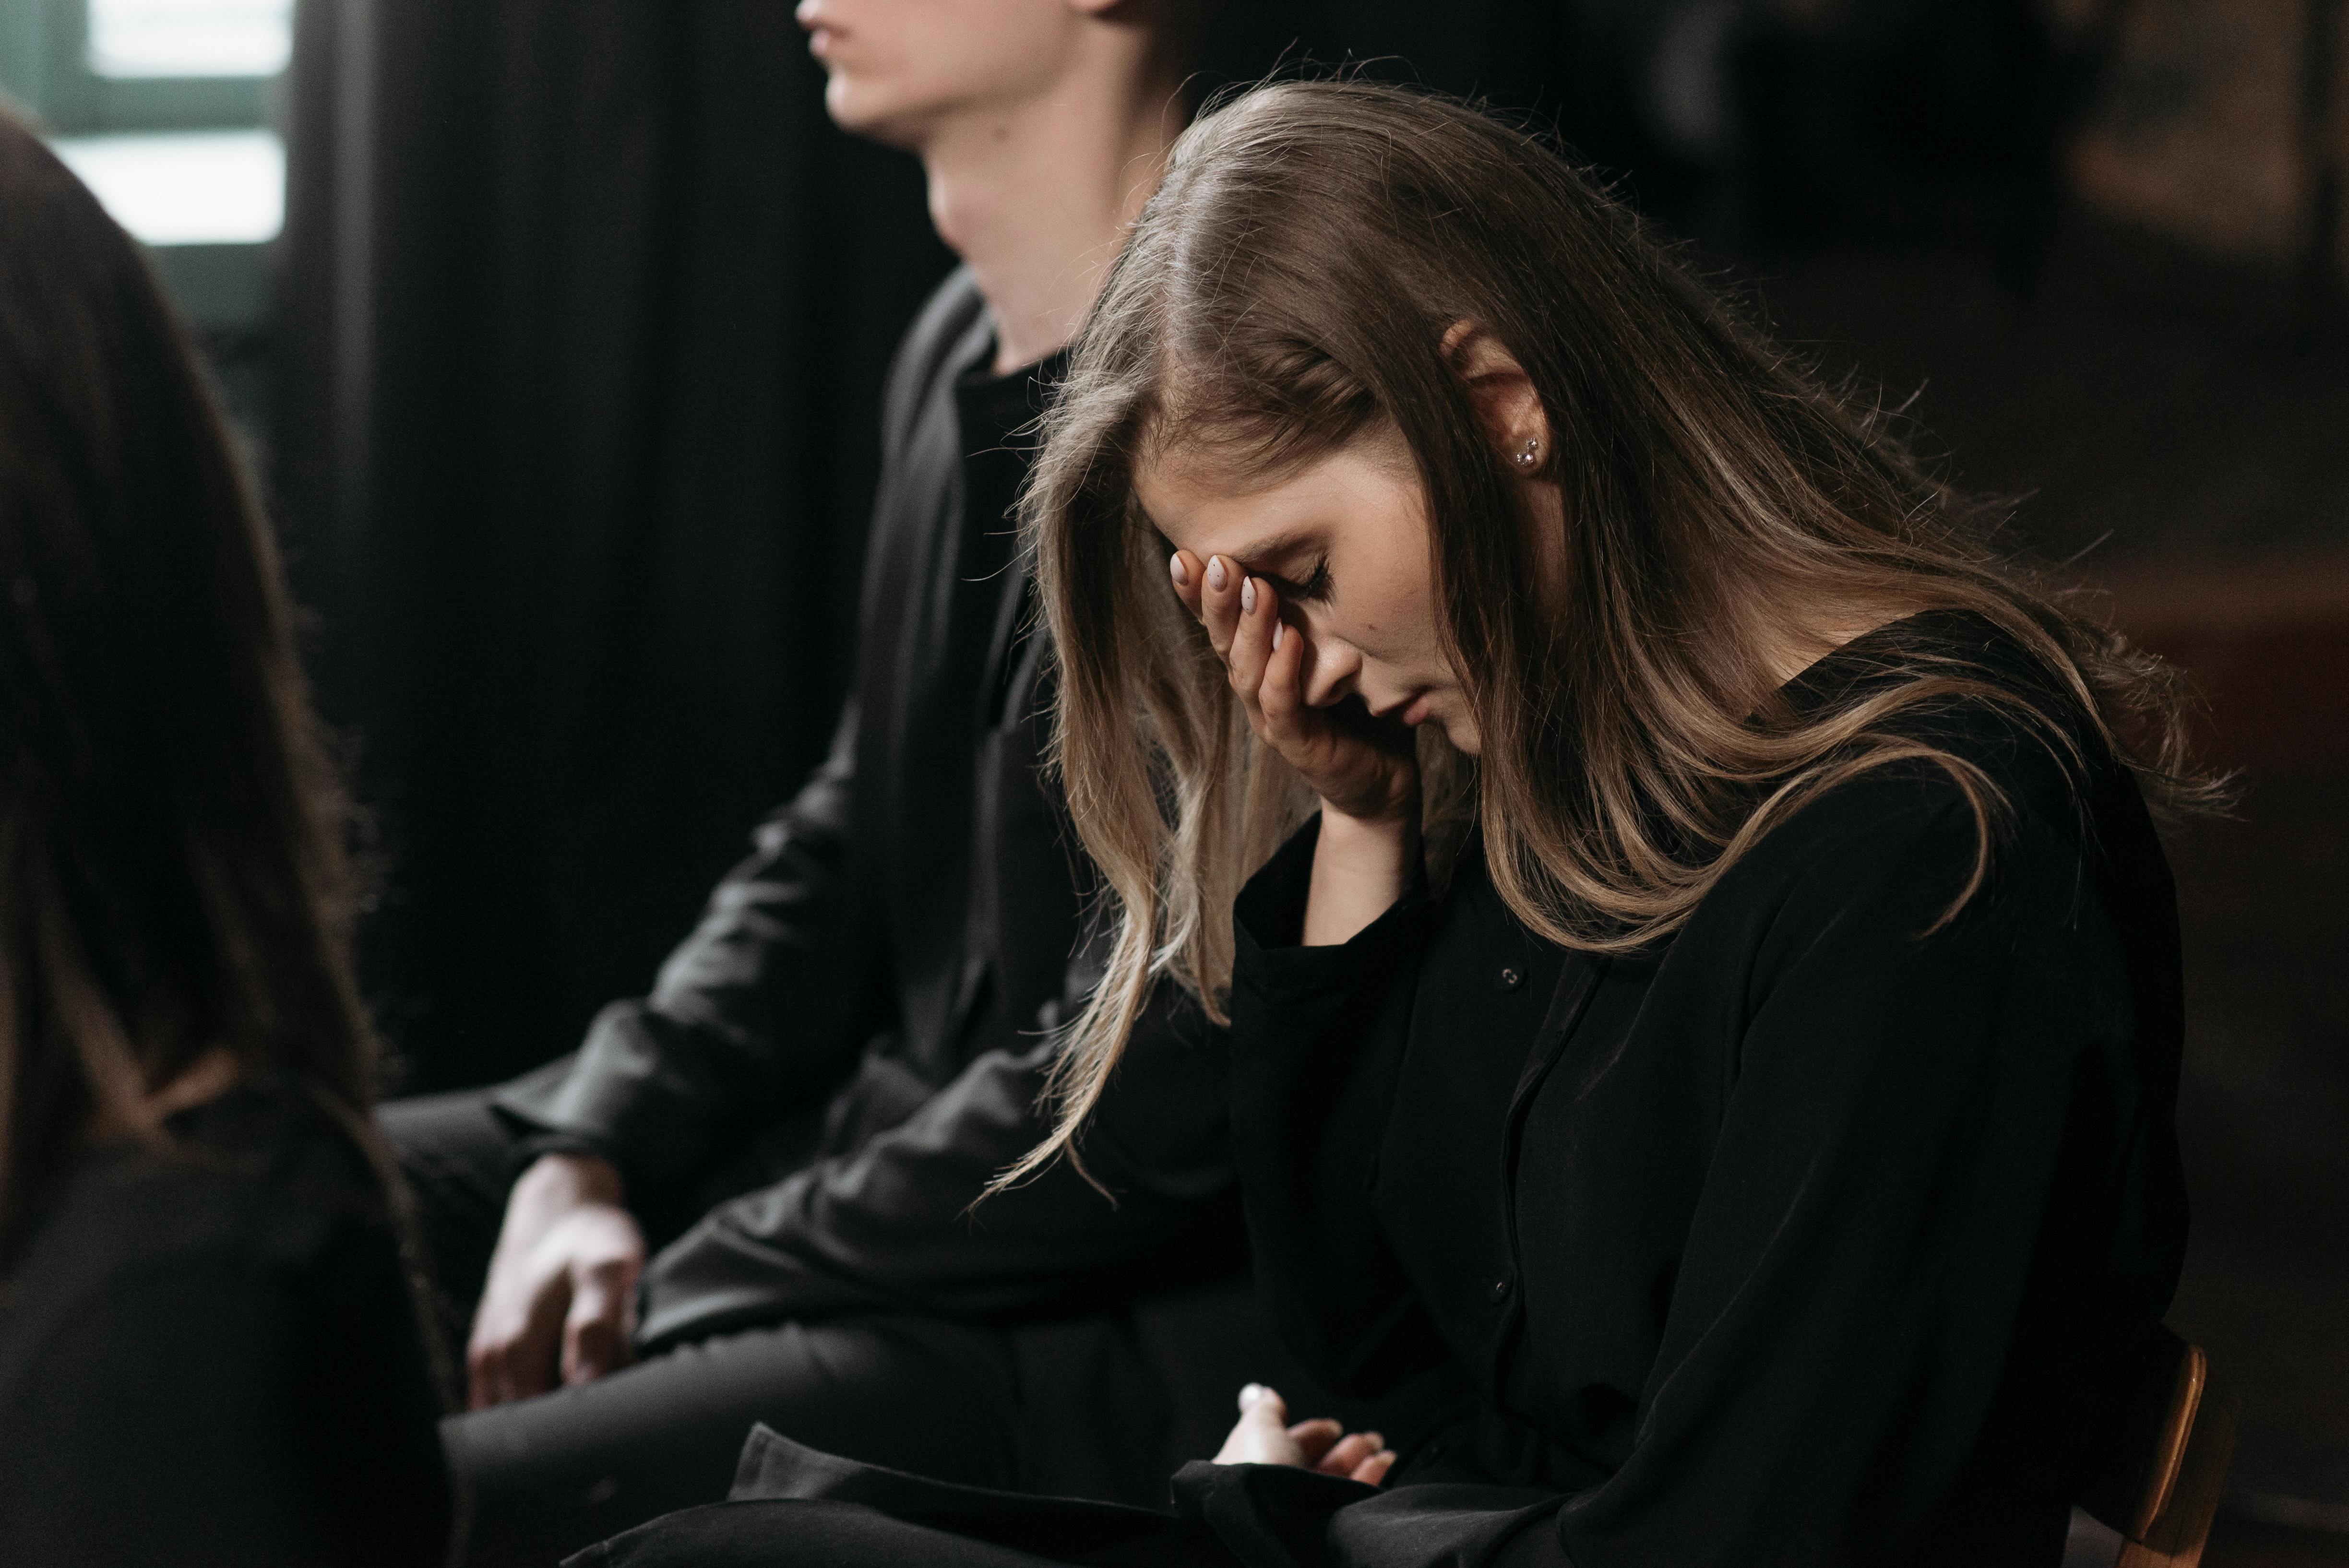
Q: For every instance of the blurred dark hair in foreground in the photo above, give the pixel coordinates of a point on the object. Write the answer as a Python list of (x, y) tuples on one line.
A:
[(172, 875)]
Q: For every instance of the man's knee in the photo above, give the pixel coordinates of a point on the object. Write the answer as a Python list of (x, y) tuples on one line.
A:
[(551, 1474)]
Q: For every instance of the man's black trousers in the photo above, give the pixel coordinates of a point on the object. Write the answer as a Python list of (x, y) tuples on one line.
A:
[(1090, 1407)]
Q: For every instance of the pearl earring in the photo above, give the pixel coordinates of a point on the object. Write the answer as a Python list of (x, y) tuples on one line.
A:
[(1526, 458)]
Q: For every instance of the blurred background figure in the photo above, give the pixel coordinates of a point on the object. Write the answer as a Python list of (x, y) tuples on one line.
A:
[(208, 1348), (566, 372)]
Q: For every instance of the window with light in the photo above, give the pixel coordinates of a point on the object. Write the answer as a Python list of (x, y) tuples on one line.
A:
[(164, 108)]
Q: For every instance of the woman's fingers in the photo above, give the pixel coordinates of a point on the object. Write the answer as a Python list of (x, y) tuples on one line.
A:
[(1260, 1437), (1349, 1454), (1258, 1399), (1218, 608), (1250, 649), (1280, 687), (1264, 658), (1189, 576), (1315, 1439), (1319, 1444)]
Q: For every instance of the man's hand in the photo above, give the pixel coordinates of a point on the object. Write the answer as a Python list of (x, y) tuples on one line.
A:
[(562, 1290), (1264, 1437)]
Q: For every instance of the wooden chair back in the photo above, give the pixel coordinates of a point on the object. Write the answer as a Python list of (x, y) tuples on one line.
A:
[(2165, 1468)]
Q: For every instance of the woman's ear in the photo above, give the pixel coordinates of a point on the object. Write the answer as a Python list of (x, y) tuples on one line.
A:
[(1503, 395)]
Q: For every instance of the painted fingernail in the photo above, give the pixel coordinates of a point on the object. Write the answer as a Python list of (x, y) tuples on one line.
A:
[(1278, 627), (1216, 575), (1182, 574), (1247, 597)]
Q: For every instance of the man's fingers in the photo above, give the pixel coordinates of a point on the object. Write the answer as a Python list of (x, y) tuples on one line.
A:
[(596, 1333), (490, 1373), (488, 1378), (513, 1352), (480, 1375), (531, 1361), (1373, 1471)]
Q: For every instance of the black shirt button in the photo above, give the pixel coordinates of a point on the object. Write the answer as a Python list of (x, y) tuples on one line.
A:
[(1512, 977), (1503, 1286)]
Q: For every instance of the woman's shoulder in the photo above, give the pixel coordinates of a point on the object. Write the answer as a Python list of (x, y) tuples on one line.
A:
[(1983, 711), (1996, 764), (247, 1278)]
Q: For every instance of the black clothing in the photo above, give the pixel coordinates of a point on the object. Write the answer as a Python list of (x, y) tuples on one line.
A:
[(878, 970), (1802, 1238), (845, 1051), (1090, 1403), (791, 1503), (209, 1355)]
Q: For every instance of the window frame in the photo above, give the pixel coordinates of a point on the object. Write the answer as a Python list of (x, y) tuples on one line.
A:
[(45, 66)]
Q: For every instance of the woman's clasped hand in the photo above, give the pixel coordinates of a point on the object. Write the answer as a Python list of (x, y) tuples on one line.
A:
[(1263, 1435)]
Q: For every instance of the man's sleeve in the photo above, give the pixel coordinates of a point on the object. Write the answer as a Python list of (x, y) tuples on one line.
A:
[(903, 1222), (765, 1004), (758, 1008)]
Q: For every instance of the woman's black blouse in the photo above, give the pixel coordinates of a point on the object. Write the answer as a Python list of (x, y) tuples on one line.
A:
[(211, 1355), (1806, 1237)]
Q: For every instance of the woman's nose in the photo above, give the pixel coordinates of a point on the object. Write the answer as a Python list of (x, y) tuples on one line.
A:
[(1329, 670)]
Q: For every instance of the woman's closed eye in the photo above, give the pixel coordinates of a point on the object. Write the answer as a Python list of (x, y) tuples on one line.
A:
[(1312, 591)]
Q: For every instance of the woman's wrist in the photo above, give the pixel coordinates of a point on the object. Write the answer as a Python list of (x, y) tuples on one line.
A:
[(1371, 839), (1361, 865)]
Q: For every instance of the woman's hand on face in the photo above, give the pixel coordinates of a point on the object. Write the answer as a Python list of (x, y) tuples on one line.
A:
[(1361, 767), (1265, 1436)]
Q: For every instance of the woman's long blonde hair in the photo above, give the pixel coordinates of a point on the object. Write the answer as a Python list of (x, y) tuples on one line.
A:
[(1286, 292)]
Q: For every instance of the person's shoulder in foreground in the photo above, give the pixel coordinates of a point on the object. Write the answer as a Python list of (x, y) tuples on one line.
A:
[(209, 1352)]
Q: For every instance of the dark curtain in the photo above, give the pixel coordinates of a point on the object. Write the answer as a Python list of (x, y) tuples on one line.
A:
[(585, 309)]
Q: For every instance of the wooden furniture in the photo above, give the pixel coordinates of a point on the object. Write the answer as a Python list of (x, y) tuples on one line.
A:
[(2172, 1437)]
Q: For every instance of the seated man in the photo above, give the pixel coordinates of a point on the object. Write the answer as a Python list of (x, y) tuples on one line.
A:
[(832, 1067)]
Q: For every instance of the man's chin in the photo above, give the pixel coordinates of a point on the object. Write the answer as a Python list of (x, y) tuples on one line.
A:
[(862, 110)]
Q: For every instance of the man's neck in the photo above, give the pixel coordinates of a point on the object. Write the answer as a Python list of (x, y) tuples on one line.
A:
[(1037, 198)]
